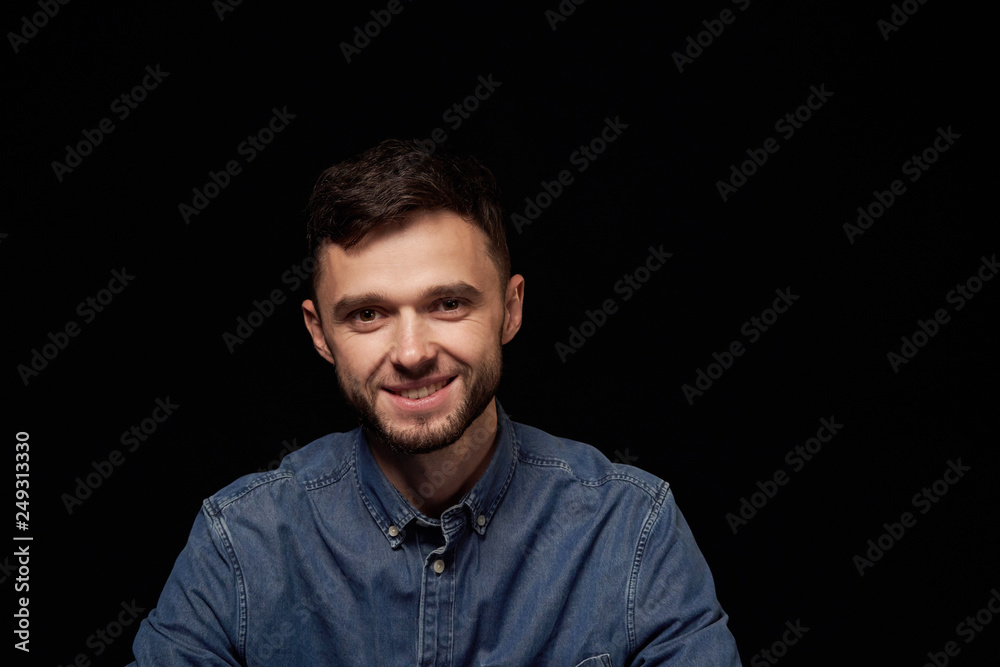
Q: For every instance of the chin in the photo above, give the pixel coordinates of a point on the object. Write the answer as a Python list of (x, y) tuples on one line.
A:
[(423, 438)]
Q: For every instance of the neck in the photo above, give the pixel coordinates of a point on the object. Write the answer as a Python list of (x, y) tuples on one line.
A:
[(435, 481)]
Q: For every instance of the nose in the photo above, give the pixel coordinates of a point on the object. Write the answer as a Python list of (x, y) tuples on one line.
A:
[(412, 347)]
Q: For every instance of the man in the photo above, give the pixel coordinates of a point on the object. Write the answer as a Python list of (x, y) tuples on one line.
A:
[(439, 532)]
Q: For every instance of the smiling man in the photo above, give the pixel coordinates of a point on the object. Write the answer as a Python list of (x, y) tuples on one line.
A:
[(416, 317), (439, 532)]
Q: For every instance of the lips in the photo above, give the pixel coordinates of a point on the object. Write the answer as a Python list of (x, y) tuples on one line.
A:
[(421, 391)]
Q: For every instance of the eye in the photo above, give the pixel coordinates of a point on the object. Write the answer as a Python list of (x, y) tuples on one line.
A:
[(366, 315), (452, 306)]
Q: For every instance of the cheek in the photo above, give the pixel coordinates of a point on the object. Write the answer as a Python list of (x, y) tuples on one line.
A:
[(359, 355), (470, 344)]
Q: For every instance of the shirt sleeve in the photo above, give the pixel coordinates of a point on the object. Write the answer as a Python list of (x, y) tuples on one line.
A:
[(677, 618), (197, 620)]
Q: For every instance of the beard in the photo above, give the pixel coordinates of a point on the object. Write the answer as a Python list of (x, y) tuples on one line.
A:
[(480, 384)]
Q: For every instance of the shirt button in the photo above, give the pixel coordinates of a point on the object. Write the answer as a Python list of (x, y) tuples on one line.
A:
[(481, 520), (393, 531), (439, 566)]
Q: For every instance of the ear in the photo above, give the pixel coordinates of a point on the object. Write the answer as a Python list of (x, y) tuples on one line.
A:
[(311, 316), (513, 306)]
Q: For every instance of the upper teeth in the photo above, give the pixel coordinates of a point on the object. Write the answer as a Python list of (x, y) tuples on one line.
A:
[(421, 392)]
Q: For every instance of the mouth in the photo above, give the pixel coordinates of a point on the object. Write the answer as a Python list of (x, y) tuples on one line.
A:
[(415, 393)]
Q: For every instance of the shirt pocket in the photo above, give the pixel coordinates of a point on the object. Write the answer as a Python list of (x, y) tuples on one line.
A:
[(602, 660)]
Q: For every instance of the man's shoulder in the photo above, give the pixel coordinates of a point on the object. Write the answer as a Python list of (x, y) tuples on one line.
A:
[(323, 461), (584, 462)]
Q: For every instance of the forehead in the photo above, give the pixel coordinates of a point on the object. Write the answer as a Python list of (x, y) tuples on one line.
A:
[(426, 249)]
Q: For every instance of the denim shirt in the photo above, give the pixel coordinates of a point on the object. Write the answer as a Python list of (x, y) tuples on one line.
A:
[(556, 556)]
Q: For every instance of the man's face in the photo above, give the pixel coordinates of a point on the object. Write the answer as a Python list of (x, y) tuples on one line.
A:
[(414, 320)]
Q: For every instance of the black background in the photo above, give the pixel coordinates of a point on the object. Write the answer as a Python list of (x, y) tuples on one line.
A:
[(162, 336)]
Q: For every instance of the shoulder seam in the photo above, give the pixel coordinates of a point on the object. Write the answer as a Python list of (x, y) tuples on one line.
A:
[(652, 518), (655, 493), (222, 502), (222, 531)]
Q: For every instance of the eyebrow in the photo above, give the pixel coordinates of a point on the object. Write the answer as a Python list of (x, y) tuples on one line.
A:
[(350, 303)]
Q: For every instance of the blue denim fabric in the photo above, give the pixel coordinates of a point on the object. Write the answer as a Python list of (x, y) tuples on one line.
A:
[(555, 557)]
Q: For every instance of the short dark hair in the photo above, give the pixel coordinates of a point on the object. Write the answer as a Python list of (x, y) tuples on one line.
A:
[(395, 179)]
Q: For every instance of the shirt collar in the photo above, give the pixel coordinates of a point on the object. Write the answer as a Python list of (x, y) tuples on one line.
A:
[(392, 511)]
